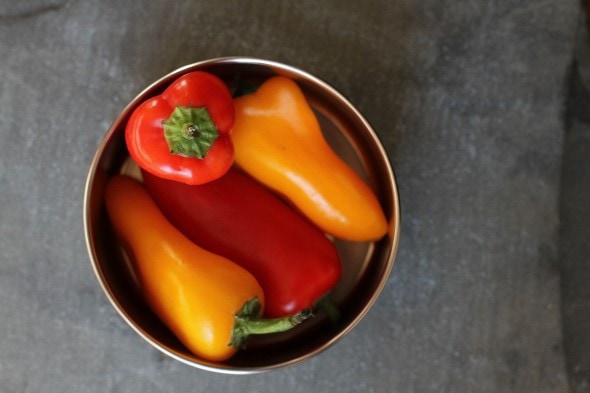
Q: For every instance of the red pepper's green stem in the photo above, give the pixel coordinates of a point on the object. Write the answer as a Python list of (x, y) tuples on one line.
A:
[(190, 132), (329, 308), (247, 322)]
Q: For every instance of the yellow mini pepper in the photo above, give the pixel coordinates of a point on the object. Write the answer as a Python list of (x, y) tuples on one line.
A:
[(210, 303), (278, 140)]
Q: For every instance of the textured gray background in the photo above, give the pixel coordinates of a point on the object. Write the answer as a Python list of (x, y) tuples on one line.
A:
[(480, 105)]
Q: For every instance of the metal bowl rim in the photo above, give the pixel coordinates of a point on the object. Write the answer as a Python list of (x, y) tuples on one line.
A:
[(274, 66)]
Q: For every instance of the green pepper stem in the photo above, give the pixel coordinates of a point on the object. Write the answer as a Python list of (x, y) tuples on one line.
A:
[(247, 322), (329, 308), (190, 132), (265, 326)]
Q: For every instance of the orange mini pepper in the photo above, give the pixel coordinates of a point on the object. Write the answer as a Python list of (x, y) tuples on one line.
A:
[(210, 303), (278, 140)]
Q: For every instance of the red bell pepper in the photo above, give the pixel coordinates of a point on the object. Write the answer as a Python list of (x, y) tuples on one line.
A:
[(183, 134), (238, 218)]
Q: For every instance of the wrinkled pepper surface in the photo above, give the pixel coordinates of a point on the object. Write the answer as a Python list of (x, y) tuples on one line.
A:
[(239, 218), (210, 303), (278, 140), (183, 134)]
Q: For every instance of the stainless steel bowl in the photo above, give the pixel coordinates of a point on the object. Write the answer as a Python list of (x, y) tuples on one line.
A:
[(366, 266)]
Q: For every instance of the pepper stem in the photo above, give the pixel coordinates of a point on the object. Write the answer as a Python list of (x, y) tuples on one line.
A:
[(190, 132), (247, 322), (329, 308)]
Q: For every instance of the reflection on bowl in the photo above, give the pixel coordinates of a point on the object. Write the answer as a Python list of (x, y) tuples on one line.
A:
[(366, 266)]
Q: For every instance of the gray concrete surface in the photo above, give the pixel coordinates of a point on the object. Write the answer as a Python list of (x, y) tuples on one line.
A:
[(575, 215), (471, 102)]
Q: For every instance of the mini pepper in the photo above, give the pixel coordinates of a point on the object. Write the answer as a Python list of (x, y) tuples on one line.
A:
[(210, 303), (237, 217), (183, 134), (278, 140)]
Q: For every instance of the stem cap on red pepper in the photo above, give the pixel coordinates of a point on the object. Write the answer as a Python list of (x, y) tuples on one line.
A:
[(190, 132)]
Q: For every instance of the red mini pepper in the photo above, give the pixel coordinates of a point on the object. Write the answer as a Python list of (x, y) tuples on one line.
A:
[(183, 134), (238, 218)]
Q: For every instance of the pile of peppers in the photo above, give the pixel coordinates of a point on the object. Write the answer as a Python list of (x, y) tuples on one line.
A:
[(229, 228)]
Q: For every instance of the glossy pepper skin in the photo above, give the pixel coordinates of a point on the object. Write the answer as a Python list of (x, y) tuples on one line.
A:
[(204, 299), (237, 217), (183, 134), (278, 140)]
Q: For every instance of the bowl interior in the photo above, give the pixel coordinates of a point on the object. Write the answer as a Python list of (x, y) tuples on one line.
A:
[(366, 266)]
